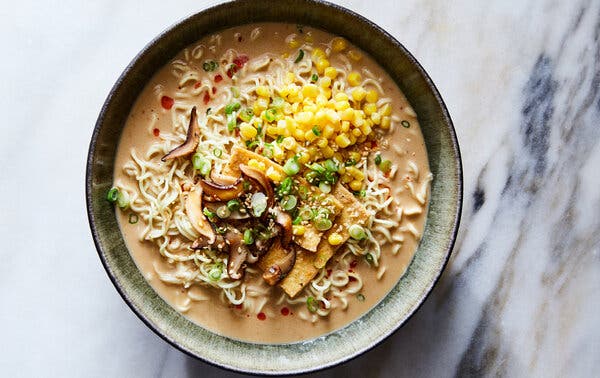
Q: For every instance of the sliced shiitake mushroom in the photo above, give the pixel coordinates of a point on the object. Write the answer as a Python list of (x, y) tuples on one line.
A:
[(285, 221), (214, 192), (280, 268), (191, 141), (238, 252), (193, 209), (259, 178)]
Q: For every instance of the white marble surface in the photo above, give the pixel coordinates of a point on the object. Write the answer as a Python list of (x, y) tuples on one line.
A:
[(520, 296)]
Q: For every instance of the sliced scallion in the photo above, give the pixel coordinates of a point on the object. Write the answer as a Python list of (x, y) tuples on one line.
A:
[(270, 114), (377, 159), (258, 203), (233, 205), (208, 213), (314, 78), (217, 152), (300, 56), (231, 122), (357, 232), (133, 218), (112, 195), (291, 166), (201, 164), (223, 212), (322, 224), (311, 304), (215, 272), (405, 124), (248, 237), (123, 200), (315, 130), (360, 297), (232, 107), (324, 187), (385, 166), (370, 259), (289, 202)]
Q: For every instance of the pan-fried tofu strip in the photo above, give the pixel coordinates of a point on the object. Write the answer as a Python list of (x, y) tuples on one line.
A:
[(311, 238), (353, 213), (308, 264)]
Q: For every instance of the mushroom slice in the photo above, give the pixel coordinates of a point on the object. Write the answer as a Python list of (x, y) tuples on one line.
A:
[(285, 221), (237, 254), (222, 179), (277, 271), (191, 141), (193, 209), (261, 180), (214, 192)]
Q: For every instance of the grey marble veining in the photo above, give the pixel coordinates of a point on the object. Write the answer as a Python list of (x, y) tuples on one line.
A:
[(520, 296)]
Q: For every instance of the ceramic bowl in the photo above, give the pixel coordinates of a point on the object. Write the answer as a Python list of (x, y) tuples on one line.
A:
[(378, 323)]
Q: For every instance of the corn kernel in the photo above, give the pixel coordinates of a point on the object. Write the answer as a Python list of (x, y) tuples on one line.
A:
[(366, 129), (358, 94), (335, 239), (353, 139), (304, 118), (370, 109), (355, 172), (321, 100), (298, 134), (312, 151), (372, 96), (298, 229), (342, 105), (361, 138), (293, 43), (385, 122), (354, 78), (333, 117), (310, 90), (326, 92), (290, 77), (327, 131), (259, 105), (325, 82), (345, 126), (346, 178), (285, 55), (318, 53), (253, 163), (356, 185), (272, 131), (274, 175), (330, 72), (376, 118), (321, 65), (338, 44), (262, 91), (347, 114), (341, 96), (322, 142), (247, 131), (342, 140), (356, 132), (354, 55), (310, 136), (386, 110), (341, 170), (356, 156), (303, 157), (327, 152), (289, 143), (278, 153)]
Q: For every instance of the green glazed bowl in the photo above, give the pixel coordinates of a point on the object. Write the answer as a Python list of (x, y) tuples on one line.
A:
[(378, 323)]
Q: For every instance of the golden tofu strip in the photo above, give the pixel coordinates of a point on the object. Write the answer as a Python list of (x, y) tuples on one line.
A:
[(308, 264), (353, 213)]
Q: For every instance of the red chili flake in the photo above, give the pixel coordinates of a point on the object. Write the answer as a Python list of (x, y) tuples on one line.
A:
[(240, 60), (351, 278), (214, 90), (240, 38), (156, 132), (218, 78), (197, 85), (285, 311), (206, 98), (353, 264), (328, 272), (261, 316), (231, 70), (239, 306), (167, 102), (373, 143)]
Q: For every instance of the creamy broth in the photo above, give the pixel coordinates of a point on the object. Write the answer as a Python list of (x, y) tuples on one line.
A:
[(150, 122)]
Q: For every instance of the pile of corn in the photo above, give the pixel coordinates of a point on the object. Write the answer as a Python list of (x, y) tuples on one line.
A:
[(313, 123)]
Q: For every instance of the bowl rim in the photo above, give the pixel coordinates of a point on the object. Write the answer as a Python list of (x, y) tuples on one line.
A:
[(384, 335)]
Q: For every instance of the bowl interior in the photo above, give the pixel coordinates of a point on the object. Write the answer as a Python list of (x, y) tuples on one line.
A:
[(405, 297)]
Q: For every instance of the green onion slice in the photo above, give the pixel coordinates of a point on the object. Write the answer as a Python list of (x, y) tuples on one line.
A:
[(370, 259), (201, 164), (270, 114), (123, 200), (223, 212), (300, 56), (133, 218), (405, 124), (207, 213), (385, 166), (258, 203), (233, 205), (231, 122), (315, 130), (357, 232), (377, 159), (248, 237), (312, 304), (289, 202), (324, 187), (291, 166), (233, 107), (112, 195), (217, 152), (314, 78), (215, 272), (360, 297), (322, 224)]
